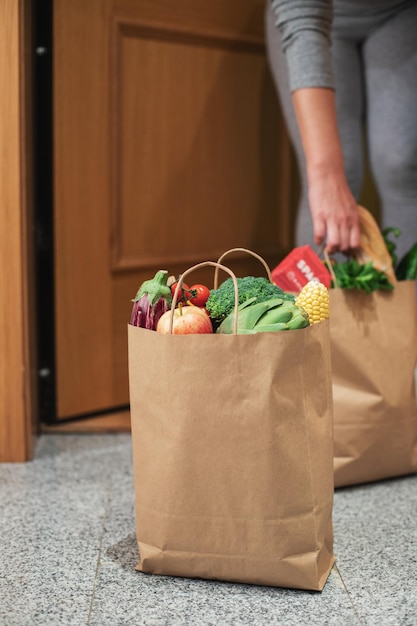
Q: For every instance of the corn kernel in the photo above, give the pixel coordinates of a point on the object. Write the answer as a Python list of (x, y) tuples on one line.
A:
[(314, 299)]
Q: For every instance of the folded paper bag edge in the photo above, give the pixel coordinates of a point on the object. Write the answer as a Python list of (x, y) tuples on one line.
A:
[(304, 571)]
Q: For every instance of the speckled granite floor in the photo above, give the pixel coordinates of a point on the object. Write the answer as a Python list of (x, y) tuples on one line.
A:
[(68, 552)]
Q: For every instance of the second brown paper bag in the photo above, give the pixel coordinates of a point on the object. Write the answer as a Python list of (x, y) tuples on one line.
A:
[(374, 354)]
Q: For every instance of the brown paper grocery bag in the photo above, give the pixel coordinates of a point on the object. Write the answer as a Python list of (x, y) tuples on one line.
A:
[(374, 355), (233, 455)]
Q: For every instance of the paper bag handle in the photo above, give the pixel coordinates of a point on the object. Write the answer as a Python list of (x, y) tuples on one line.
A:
[(191, 269), (330, 266), (220, 259)]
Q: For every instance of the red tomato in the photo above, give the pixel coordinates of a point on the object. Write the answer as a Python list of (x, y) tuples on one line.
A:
[(202, 295), (183, 294)]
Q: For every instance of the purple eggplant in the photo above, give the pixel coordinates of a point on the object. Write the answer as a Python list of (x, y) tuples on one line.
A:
[(151, 301)]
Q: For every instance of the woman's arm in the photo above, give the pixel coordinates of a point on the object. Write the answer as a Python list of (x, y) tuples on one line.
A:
[(333, 208), (305, 27)]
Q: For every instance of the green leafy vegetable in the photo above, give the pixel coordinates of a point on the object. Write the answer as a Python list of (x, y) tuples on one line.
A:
[(353, 275), (221, 301)]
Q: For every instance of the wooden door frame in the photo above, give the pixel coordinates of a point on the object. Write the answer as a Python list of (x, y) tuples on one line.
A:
[(18, 371)]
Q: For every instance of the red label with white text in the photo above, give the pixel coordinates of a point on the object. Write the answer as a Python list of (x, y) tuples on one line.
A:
[(299, 267)]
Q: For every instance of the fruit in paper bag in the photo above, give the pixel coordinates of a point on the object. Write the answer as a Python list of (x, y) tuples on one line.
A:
[(187, 320), (202, 293), (184, 291)]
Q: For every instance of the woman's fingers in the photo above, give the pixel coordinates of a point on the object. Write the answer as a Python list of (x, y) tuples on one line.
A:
[(338, 227), (355, 235), (341, 236), (333, 239), (319, 226)]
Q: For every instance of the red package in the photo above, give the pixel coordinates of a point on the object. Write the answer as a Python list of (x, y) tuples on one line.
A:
[(299, 267)]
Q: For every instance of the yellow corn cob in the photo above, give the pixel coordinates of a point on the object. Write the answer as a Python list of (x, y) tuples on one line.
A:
[(314, 299)]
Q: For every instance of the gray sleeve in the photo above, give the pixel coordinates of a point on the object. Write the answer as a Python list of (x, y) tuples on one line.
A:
[(305, 27)]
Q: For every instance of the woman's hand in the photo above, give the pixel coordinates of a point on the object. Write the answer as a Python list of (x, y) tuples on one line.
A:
[(334, 212)]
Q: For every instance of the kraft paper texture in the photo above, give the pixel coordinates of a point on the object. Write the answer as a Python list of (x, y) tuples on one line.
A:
[(232, 441), (374, 356)]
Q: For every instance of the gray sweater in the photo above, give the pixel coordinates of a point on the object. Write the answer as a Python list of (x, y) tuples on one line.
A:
[(306, 31)]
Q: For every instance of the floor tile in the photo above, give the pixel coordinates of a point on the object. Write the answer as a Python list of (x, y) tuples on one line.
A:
[(376, 547), (51, 526), (68, 551)]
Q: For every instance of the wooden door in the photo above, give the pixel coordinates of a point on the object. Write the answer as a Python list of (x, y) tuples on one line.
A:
[(169, 149)]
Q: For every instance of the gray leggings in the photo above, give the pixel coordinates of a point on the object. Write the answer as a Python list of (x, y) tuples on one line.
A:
[(375, 66)]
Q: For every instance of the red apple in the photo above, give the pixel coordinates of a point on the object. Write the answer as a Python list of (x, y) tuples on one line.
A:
[(187, 319)]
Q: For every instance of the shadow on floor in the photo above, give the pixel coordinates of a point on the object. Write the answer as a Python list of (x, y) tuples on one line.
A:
[(125, 553)]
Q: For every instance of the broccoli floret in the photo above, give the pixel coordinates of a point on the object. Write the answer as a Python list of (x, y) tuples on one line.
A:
[(222, 300)]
